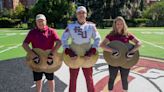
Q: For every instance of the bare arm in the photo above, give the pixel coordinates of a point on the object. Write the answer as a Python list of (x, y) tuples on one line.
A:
[(137, 44), (28, 49), (56, 48), (104, 46)]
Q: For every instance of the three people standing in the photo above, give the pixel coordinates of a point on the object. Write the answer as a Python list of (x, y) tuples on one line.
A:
[(80, 32)]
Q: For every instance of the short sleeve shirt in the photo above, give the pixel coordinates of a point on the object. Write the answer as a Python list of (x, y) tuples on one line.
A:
[(122, 38), (42, 39)]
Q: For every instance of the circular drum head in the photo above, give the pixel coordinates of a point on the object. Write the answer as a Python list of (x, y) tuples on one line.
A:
[(131, 61), (43, 66), (89, 63), (72, 63), (118, 60), (29, 60)]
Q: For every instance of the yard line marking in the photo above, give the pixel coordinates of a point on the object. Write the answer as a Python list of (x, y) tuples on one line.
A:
[(146, 32), (10, 34), (157, 33), (1, 46), (4, 36), (22, 33), (152, 44), (9, 48)]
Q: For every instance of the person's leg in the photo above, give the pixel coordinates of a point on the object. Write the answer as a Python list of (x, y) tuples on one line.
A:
[(125, 90), (51, 83), (124, 78), (112, 76), (73, 79), (39, 86), (38, 78), (89, 80)]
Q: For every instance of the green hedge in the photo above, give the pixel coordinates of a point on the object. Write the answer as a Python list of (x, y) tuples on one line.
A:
[(8, 22), (137, 22), (155, 23), (130, 22)]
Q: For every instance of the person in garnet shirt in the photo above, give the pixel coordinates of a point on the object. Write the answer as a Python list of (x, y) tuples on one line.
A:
[(119, 33), (42, 37)]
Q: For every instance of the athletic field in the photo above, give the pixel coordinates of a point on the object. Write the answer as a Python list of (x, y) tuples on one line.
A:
[(146, 76), (152, 38)]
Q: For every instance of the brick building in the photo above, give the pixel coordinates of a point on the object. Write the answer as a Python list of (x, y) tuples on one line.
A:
[(11, 4)]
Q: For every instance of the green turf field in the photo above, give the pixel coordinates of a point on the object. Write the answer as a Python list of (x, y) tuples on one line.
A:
[(152, 39)]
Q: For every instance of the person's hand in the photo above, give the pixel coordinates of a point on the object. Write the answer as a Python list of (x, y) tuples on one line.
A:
[(33, 54), (74, 58), (50, 59), (87, 58), (90, 52), (70, 52), (115, 52), (35, 57), (130, 54)]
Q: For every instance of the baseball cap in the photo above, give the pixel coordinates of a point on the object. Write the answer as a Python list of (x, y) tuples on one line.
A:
[(81, 8), (40, 16)]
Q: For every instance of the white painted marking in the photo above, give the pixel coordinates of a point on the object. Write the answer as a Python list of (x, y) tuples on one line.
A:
[(22, 33), (161, 47), (9, 48), (146, 32), (158, 33), (4, 36), (1, 46), (154, 75), (10, 34), (134, 86)]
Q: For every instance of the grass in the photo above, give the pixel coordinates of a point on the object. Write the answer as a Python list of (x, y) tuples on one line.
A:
[(154, 35)]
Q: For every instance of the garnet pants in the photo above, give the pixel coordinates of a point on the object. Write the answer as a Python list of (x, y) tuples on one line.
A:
[(88, 76)]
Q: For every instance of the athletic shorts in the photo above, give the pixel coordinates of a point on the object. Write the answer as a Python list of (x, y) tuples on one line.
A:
[(38, 75)]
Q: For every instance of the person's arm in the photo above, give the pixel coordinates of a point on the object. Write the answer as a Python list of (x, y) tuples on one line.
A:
[(96, 37), (137, 42), (27, 47), (104, 46), (26, 43), (65, 38), (56, 47), (57, 43)]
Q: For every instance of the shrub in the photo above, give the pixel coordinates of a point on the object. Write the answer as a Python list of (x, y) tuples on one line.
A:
[(8, 22)]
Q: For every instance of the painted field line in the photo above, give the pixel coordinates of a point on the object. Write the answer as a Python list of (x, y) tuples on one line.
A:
[(7, 35), (1, 46), (4, 36), (152, 44), (157, 33), (10, 34), (9, 48), (22, 33)]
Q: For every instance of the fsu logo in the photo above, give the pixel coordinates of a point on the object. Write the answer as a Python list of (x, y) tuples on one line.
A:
[(146, 76), (80, 31)]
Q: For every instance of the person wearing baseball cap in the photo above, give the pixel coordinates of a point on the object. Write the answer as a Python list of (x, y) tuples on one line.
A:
[(81, 8), (42, 37), (81, 32)]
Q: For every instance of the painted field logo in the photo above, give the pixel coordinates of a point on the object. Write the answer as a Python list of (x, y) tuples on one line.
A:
[(146, 76)]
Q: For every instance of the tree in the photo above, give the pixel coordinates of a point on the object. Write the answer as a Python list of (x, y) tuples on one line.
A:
[(110, 9), (57, 12), (19, 12), (155, 11)]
